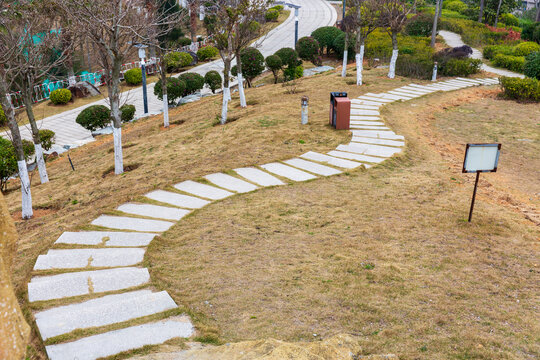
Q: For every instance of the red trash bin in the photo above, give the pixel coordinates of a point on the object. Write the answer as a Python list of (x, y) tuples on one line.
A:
[(342, 113)]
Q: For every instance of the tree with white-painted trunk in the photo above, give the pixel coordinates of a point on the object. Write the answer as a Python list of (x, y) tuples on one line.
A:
[(393, 16), (365, 19), (349, 28)]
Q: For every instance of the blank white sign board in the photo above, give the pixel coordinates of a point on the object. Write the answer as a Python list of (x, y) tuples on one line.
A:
[(481, 158)]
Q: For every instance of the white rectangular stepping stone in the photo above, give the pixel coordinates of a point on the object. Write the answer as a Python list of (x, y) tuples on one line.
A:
[(422, 87), (131, 223), (375, 98), (180, 200), (418, 90), (412, 92), (363, 107), (461, 84), (370, 123), (106, 238), (288, 172), (477, 81), (102, 311), (368, 140), (397, 97), (358, 157), (365, 117), (203, 190), (346, 164), (81, 258), (155, 211), (259, 177), (312, 167), (365, 112), (390, 135), (114, 342), (43, 288), (231, 183), (367, 102), (368, 127), (403, 94), (369, 149)]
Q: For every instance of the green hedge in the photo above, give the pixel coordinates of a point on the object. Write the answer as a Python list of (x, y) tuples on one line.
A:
[(526, 48), (521, 89), (490, 51), (420, 67), (60, 96), (532, 65), (420, 25), (461, 67), (175, 60), (513, 63), (272, 15)]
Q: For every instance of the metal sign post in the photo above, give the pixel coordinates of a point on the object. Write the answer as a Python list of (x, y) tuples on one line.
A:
[(480, 158)]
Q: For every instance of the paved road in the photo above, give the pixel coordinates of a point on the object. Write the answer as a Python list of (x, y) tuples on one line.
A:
[(454, 40), (312, 15)]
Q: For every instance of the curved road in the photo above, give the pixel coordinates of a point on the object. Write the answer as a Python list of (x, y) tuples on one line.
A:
[(312, 15)]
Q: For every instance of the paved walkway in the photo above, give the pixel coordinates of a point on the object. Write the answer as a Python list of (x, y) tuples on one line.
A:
[(454, 40), (312, 15), (106, 264)]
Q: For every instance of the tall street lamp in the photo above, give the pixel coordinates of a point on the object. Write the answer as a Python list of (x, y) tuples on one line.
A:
[(142, 56), (295, 7)]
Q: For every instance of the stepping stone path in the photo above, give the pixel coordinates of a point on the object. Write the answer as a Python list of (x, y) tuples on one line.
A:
[(97, 274)]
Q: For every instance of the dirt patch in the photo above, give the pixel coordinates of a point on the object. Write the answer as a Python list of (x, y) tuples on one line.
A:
[(38, 213), (127, 168)]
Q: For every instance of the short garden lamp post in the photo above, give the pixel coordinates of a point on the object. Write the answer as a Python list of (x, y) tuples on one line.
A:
[(142, 56), (434, 77), (304, 102)]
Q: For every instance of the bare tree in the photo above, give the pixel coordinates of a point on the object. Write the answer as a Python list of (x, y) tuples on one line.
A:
[(438, 10), (113, 26), (366, 19), (393, 18)]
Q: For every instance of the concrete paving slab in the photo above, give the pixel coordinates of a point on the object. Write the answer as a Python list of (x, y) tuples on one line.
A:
[(367, 102), (390, 135), (180, 200), (131, 223), (81, 258), (367, 140), (365, 112), (43, 288), (369, 123), (330, 160), (364, 107), (258, 176), (203, 190), (288, 172), (365, 118), (312, 167), (366, 127), (396, 97), (231, 183), (375, 98), (410, 92), (417, 90), (114, 342), (102, 311), (403, 94), (106, 238), (369, 149), (154, 211), (357, 157)]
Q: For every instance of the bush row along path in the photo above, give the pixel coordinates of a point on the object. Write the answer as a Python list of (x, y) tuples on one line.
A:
[(99, 273), (312, 15), (454, 40)]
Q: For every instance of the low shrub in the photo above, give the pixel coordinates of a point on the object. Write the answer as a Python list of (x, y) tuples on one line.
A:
[(456, 5), (193, 81), (525, 48), (490, 51), (325, 36), (509, 19), (175, 90), (419, 25), (94, 117), (521, 89), (339, 45), (47, 138), (8, 162), (288, 56), (277, 7), (127, 112), (307, 48), (513, 63), (183, 41), (531, 32), (532, 65), (213, 80), (3, 118), (176, 60), (207, 52), (274, 63), (460, 67), (60, 96), (292, 73), (272, 15), (133, 76)]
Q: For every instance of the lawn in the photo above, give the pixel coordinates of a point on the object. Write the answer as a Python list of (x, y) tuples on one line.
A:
[(383, 253)]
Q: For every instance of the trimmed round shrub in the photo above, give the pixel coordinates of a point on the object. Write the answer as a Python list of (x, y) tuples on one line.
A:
[(127, 112), (207, 52), (175, 90), (339, 44), (252, 63), (3, 118), (274, 63), (509, 19), (288, 56), (94, 117), (532, 65), (133, 76), (47, 138), (176, 60), (525, 48), (193, 81), (213, 80), (307, 48), (271, 15), (420, 25), (183, 41), (60, 96), (326, 36), (521, 89)]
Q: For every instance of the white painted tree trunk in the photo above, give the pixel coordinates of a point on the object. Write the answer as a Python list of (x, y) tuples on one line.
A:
[(241, 90), (43, 176), (344, 69), (226, 97), (359, 65), (201, 13), (165, 111), (392, 69), (25, 190), (118, 158)]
